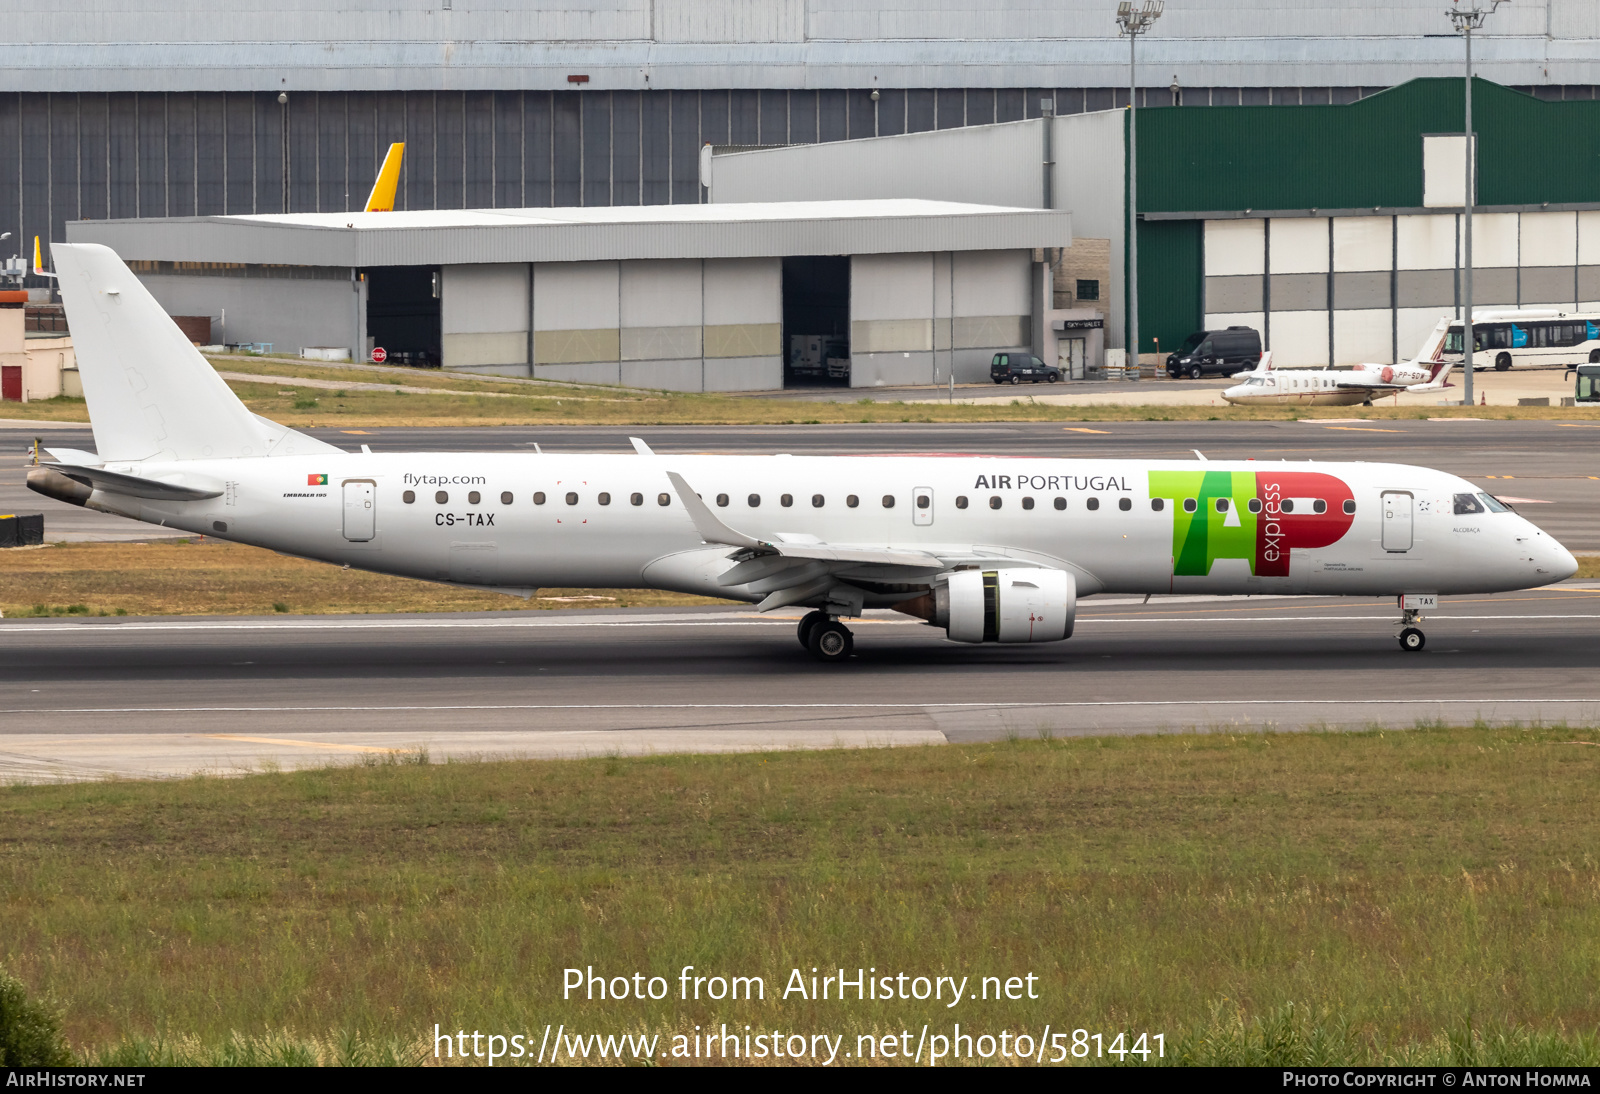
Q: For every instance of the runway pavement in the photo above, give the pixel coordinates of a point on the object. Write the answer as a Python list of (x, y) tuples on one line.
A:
[(1554, 465), (147, 697)]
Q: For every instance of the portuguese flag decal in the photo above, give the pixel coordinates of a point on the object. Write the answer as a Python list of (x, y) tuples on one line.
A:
[(316, 480)]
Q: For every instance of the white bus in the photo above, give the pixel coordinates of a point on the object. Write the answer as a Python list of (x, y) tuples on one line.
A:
[(1528, 339)]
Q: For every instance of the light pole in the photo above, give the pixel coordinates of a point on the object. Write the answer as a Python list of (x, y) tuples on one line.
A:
[(1132, 22), (1467, 20)]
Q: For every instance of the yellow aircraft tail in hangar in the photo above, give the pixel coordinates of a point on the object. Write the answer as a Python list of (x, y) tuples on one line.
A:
[(381, 200)]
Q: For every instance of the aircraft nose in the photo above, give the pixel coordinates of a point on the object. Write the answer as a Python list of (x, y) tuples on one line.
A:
[(1561, 565)]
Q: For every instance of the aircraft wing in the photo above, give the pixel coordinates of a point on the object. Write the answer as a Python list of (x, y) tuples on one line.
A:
[(1367, 385), (789, 572)]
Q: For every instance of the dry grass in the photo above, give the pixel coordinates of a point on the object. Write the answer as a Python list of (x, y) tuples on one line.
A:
[(1257, 898), (210, 577)]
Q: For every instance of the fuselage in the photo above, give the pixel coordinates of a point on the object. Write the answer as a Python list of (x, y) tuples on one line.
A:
[(522, 521)]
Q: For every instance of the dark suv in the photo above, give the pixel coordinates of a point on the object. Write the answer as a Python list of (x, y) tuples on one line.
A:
[(1224, 351), (1017, 367)]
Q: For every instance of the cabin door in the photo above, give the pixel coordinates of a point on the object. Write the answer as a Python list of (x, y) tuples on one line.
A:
[(360, 510), (1397, 523)]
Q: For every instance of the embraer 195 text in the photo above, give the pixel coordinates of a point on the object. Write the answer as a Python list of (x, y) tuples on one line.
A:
[(989, 549)]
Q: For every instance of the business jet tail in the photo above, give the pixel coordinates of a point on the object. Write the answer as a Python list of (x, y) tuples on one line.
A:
[(150, 393)]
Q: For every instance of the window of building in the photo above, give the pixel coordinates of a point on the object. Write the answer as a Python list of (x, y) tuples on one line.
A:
[(409, 496), (1089, 289), (505, 497), (961, 501)]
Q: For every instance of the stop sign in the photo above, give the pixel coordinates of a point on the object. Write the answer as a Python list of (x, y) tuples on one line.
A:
[(379, 354)]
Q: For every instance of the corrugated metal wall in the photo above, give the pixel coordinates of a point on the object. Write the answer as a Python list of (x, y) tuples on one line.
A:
[(1366, 154)]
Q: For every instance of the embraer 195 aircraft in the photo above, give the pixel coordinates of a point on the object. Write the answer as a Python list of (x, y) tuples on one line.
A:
[(990, 549)]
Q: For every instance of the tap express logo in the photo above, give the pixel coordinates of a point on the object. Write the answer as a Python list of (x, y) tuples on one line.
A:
[(1255, 515)]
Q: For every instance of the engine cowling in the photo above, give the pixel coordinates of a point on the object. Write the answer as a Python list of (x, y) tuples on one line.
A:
[(1015, 605)]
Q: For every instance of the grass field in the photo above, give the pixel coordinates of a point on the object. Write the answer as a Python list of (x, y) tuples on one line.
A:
[(454, 399), (1425, 896), (210, 577)]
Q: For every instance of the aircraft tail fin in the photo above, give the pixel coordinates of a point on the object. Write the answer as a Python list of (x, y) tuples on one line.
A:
[(1432, 351), (381, 200), (150, 393), (1266, 362), (38, 261)]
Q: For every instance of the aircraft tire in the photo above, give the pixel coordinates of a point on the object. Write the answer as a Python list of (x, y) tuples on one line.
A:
[(1502, 362), (807, 622), (1412, 640), (831, 641)]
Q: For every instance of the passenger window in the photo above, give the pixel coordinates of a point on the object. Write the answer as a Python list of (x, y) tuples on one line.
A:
[(961, 501), (409, 496), (1189, 503), (441, 498), (572, 499), (722, 499), (1027, 503), (788, 499), (1350, 505), (1125, 504), (1061, 503), (1319, 506), (505, 497), (473, 497), (1157, 504), (753, 501), (636, 499), (1466, 503), (1092, 504), (1222, 503), (604, 499), (1288, 505), (851, 501), (816, 501), (538, 497), (888, 502), (994, 502), (1255, 505), (661, 499)]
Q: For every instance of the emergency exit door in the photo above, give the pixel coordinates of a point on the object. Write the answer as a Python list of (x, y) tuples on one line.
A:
[(1397, 522), (922, 505), (360, 510)]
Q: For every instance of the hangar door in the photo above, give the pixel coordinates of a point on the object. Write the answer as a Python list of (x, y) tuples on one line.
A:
[(816, 321), (403, 314)]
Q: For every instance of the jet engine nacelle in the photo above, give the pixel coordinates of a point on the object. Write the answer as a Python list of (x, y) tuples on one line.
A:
[(1020, 605)]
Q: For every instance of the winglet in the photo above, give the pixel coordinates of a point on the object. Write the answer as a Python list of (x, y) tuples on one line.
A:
[(640, 447), (38, 263), (381, 200), (706, 523)]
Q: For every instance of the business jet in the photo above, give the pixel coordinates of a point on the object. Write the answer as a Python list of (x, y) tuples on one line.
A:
[(987, 549), (1267, 386)]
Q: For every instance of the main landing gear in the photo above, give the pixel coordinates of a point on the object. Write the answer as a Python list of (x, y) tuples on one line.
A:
[(826, 638)]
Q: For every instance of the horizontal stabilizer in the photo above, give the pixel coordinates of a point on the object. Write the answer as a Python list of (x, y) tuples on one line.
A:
[(134, 486)]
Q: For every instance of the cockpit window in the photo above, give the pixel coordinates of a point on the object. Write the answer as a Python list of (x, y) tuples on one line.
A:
[(1467, 503), (1254, 381), (1495, 504)]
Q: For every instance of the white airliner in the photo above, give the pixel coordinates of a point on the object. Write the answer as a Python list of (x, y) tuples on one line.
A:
[(1426, 372), (990, 549)]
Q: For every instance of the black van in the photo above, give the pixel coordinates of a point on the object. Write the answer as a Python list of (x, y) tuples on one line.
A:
[(1224, 351), (1017, 367)]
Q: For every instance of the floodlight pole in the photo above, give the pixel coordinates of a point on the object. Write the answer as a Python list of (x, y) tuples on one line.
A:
[(1466, 20), (1132, 22)]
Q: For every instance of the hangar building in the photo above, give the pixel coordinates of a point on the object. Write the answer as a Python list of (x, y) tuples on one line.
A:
[(682, 297)]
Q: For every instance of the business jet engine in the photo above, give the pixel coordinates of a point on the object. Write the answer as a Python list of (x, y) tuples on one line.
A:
[(1015, 605)]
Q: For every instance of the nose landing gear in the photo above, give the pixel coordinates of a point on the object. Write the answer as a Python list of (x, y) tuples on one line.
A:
[(1411, 637), (1412, 640)]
